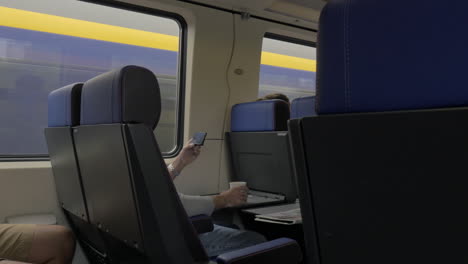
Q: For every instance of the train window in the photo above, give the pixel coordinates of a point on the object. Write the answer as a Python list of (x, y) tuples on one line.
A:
[(288, 68), (47, 44)]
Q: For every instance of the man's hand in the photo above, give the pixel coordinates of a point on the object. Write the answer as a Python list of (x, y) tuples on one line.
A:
[(233, 197), (187, 155)]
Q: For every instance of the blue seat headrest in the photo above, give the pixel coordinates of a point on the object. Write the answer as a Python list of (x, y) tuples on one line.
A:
[(64, 106), (126, 95), (391, 55), (268, 115), (302, 107)]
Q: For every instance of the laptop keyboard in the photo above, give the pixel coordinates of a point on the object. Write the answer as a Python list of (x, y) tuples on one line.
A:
[(256, 197), (251, 199)]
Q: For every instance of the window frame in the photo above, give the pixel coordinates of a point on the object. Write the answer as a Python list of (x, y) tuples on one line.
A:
[(290, 39), (181, 75)]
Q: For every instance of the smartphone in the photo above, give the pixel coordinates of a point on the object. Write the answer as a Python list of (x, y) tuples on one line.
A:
[(199, 138)]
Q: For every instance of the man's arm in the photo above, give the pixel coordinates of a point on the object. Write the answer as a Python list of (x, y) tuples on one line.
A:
[(187, 155), (196, 205), (231, 198)]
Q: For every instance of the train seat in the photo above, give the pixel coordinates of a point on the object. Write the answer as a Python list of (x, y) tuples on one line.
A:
[(268, 115), (63, 115), (303, 106), (132, 198), (259, 147), (381, 170)]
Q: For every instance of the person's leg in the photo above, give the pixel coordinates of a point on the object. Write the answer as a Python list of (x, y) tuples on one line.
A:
[(39, 244), (224, 239), (15, 242), (52, 244)]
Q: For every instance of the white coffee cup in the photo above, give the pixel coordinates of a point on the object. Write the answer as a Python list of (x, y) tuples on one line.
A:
[(237, 184)]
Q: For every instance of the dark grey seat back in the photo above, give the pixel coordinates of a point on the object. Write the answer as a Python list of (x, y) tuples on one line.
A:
[(131, 197), (64, 115), (383, 188), (259, 147), (64, 110), (381, 180)]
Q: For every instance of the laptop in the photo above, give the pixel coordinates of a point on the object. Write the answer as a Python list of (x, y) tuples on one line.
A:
[(263, 160), (259, 197)]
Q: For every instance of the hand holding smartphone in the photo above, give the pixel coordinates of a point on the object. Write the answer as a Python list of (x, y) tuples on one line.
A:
[(199, 138)]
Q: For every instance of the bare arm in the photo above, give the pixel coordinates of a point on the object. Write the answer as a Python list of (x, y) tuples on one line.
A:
[(203, 204), (233, 197), (196, 204), (187, 155)]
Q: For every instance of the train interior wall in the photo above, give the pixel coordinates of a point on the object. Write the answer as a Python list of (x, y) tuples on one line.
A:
[(219, 45)]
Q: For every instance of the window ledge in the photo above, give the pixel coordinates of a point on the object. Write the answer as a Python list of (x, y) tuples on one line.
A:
[(25, 165)]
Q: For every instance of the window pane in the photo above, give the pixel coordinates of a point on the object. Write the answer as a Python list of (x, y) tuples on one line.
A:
[(287, 68), (47, 44)]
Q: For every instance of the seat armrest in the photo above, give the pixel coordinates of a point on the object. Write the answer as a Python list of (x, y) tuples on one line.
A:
[(282, 250), (202, 223)]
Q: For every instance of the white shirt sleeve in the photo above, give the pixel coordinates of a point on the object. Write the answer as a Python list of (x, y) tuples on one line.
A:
[(197, 205)]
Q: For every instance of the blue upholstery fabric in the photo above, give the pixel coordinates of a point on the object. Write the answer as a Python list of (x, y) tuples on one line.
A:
[(291, 252), (381, 55), (64, 106), (125, 95), (268, 115), (302, 107)]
